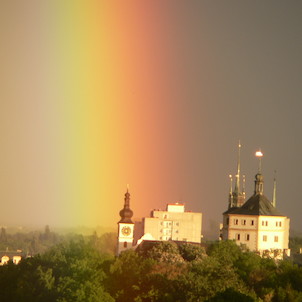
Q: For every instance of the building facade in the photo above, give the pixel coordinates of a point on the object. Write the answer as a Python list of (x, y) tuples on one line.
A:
[(174, 224)]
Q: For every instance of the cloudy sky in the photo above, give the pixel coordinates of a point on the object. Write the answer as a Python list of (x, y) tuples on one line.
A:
[(96, 95)]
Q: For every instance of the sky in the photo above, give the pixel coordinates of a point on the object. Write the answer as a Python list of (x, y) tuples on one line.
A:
[(95, 95)]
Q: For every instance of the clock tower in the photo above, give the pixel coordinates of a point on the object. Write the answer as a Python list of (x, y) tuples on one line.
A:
[(125, 227)]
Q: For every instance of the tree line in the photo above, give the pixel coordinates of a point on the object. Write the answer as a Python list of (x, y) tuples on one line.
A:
[(83, 269)]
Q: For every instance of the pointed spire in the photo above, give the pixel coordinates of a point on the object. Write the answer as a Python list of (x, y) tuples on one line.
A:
[(243, 186), (231, 192), (237, 197), (274, 191), (237, 184)]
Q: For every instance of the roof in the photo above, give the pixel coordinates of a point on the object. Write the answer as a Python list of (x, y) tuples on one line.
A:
[(258, 204)]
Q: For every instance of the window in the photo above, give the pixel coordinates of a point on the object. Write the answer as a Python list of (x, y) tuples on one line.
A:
[(264, 238), (276, 239), (252, 222), (125, 244), (237, 236), (236, 221), (247, 237), (243, 222), (264, 223), (278, 223)]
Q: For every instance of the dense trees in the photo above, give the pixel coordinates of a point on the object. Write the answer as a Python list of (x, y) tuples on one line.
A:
[(85, 269)]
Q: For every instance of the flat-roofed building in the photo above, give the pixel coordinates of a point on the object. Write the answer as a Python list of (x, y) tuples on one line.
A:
[(174, 224)]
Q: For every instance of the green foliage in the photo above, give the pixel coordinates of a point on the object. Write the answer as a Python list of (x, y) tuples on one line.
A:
[(295, 243), (82, 269), (190, 252), (71, 271)]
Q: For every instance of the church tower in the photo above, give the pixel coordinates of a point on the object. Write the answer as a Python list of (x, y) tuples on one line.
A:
[(237, 196), (125, 226)]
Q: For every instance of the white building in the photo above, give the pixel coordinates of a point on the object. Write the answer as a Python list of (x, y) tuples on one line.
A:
[(257, 223), (174, 224)]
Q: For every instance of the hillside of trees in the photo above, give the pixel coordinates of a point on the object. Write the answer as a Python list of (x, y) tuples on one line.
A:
[(84, 269)]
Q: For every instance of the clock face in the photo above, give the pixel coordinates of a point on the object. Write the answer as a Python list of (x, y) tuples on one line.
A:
[(126, 231)]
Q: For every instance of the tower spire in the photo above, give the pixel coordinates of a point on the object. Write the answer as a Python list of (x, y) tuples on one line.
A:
[(274, 191), (237, 197), (237, 184), (243, 186), (231, 192), (126, 213)]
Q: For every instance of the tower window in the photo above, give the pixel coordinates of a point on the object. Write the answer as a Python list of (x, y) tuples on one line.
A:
[(243, 222), (264, 238), (252, 222), (276, 239), (247, 237), (236, 221), (237, 236), (125, 244)]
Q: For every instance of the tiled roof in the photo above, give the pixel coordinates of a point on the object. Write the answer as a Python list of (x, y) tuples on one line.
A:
[(258, 204)]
